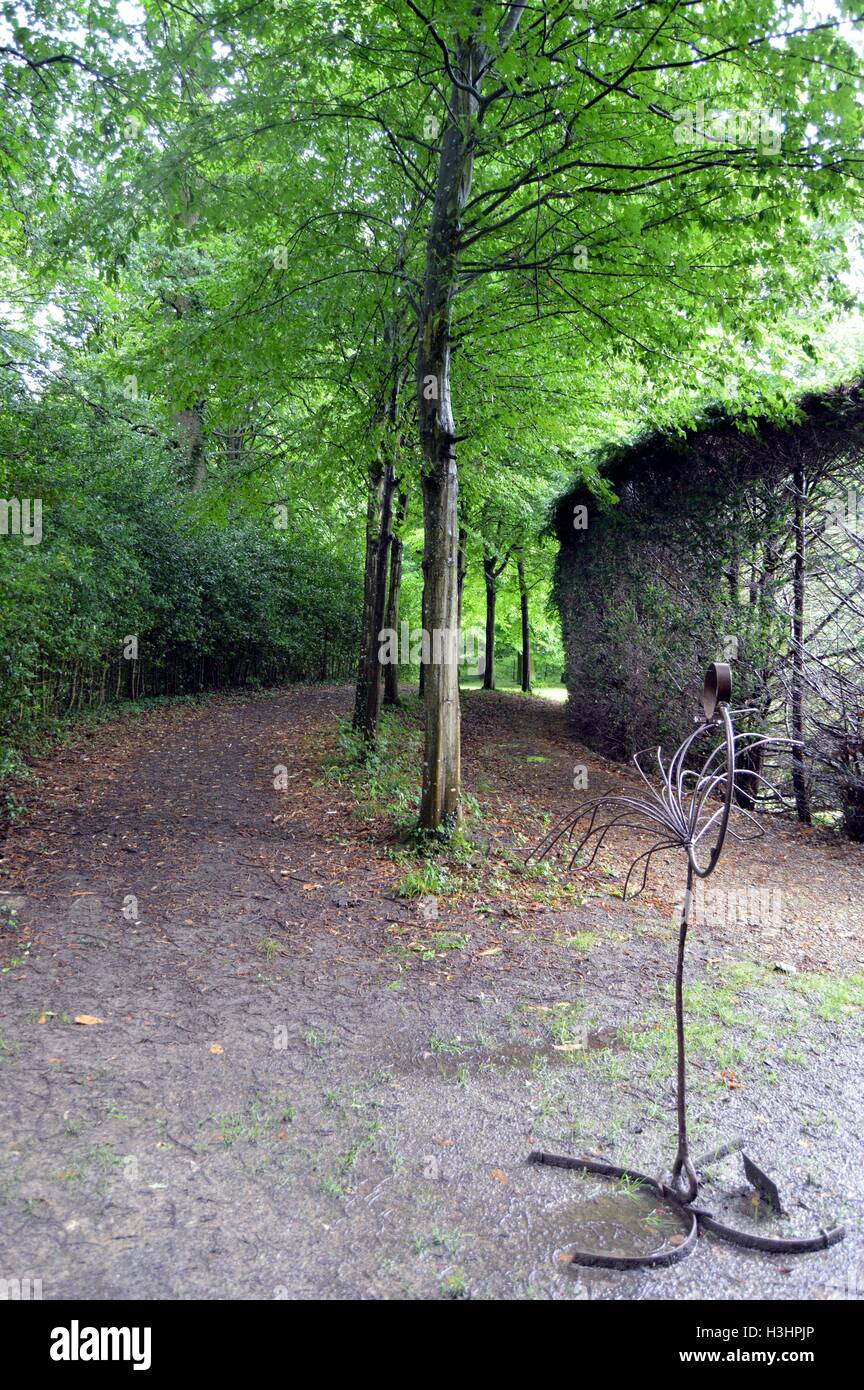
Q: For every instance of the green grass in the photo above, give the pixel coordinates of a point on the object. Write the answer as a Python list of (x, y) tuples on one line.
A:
[(582, 942), (451, 1241), (429, 879), (383, 780), (455, 1285), (504, 684), (336, 1183), (254, 1123), (454, 1047), (833, 997), (723, 1031), (568, 1025), (269, 947), (104, 1154), (631, 1188)]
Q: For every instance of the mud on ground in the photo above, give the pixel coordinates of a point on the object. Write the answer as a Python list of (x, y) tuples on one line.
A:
[(302, 1084)]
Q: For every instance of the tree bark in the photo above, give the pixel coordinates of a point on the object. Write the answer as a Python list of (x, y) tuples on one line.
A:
[(190, 429), (391, 673), (379, 539), (489, 578), (492, 572), (462, 568), (439, 804), (526, 629), (799, 584), (421, 683), (379, 535), (439, 807)]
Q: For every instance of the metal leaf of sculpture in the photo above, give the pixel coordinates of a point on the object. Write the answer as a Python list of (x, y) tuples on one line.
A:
[(688, 808)]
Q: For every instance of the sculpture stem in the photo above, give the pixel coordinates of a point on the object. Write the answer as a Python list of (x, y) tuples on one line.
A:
[(682, 1160)]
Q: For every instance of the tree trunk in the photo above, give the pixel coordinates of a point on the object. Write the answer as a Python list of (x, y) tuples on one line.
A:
[(190, 429), (799, 581), (379, 535), (526, 630), (391, 673), (421, 683), (379, 540), (439, 804), (489, 578), (439, 807), (462, 567), (368, 646)]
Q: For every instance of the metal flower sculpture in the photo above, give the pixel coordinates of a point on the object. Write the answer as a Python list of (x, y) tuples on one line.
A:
[(690, 808)]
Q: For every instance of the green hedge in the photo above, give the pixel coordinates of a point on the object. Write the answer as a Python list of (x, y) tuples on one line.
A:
[(213, 600)]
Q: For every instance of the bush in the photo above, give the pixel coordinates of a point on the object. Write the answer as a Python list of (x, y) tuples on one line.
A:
[(128, 552)]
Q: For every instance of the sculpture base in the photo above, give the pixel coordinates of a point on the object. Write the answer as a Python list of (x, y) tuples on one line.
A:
[(694, 1217)]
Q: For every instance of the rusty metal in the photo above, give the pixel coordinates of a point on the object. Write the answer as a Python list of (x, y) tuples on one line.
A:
[(765, 1186), (692, 810), (717, 688)]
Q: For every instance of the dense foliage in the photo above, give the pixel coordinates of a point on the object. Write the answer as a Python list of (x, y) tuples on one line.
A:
[(136, 587), (728, 546), (308, 310)]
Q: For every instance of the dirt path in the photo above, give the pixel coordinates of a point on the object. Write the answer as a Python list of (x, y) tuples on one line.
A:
[(301, 1086)]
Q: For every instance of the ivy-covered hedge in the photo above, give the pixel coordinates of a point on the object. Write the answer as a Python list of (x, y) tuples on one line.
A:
[(744, 545), (650, 591)]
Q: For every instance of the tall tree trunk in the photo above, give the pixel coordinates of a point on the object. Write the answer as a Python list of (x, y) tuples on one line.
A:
[(489, 578), (526, 629), (799, 582), (439, 803), (391, 621), (421, 683), (190, 429), (439, 806), (379, 539), (462, 566), (379, 535)]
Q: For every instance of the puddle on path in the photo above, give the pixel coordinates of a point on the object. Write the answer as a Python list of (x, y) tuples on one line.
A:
[(451, 1059), (613, 1223)]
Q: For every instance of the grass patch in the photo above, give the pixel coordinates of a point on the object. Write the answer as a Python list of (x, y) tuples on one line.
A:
[(269, 947), (582, 942), (383, 780), (834, 998), (454, 1047), (724, 1034), (450, 1241), (455, 1285), (429, 879), (568, 1024)]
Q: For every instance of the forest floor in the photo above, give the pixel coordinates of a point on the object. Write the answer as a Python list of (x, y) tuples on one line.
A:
[(253, 1046)]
